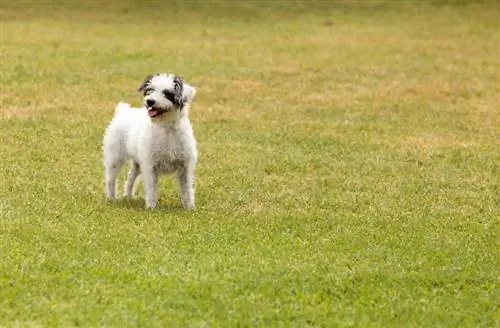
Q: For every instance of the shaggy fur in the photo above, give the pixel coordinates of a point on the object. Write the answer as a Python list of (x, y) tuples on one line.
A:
[(158, 139)]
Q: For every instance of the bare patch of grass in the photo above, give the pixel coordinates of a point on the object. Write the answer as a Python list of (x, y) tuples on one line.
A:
[(432, 142)]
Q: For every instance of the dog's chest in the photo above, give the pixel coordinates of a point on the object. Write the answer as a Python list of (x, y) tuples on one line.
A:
[(170, 149)]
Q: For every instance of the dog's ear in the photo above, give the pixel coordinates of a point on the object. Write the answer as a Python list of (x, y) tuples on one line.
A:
[(178, 84), (146, 81), (188, 93)]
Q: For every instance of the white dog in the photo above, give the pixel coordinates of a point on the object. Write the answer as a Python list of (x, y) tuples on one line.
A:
[(157, 138)]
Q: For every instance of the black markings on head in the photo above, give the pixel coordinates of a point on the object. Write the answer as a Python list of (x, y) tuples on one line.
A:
[(170, 96), (178, 98), (146, 82)]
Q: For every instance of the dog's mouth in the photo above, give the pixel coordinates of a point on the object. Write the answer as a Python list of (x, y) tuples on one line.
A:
[(155, 112)]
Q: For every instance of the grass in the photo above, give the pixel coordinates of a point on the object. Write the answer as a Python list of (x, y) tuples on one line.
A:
[(348, 176)]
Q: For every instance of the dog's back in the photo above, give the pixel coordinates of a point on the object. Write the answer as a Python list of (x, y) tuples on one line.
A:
[(115, 137)]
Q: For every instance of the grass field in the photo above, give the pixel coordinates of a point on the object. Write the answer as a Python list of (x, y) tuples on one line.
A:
[(349, 170)]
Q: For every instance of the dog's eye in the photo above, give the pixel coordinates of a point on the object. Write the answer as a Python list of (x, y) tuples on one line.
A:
[(170, 96), (168, 93)]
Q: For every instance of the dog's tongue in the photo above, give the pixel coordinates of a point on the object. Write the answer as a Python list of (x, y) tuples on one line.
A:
[(151, 112)]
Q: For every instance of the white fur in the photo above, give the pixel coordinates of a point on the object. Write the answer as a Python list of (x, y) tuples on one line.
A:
[(159, 145)]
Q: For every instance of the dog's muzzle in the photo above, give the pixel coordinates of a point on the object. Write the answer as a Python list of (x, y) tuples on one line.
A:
[(152, 110)]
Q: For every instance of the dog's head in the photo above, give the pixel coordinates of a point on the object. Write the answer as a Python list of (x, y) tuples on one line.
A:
[(166, 93)]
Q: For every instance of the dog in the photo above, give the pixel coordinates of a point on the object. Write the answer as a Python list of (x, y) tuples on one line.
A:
[(158, 139)]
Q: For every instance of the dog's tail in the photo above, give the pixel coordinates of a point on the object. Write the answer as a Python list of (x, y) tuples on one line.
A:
[(120, 106)]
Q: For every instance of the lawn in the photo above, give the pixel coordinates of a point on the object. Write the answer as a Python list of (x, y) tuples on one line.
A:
[(349, 170)]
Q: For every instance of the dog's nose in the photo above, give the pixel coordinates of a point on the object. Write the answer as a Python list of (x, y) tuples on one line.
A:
[(150, 102)]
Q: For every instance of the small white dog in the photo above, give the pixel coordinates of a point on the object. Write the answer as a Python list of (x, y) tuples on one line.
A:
[(157, 138)]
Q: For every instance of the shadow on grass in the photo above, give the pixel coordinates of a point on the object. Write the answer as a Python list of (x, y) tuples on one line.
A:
[(137, 204)]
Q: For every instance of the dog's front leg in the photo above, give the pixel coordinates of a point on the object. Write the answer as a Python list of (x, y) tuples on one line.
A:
[(150, 179), (185, 177)]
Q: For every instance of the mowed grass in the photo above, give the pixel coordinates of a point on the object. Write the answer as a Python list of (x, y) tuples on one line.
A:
[(348, 175)]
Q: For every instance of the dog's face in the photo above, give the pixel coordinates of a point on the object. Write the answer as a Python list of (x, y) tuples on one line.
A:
[(165, 93)]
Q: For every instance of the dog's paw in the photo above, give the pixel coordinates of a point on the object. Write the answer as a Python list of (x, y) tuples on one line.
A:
[(150, 206), (188, 206)]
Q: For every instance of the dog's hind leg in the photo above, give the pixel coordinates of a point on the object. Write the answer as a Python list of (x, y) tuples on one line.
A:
[(114, 157), (133, 173), (185, 178), (110, 174), (112, 164)]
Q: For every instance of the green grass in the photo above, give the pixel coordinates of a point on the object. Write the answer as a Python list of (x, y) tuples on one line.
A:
[(349, 169)]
